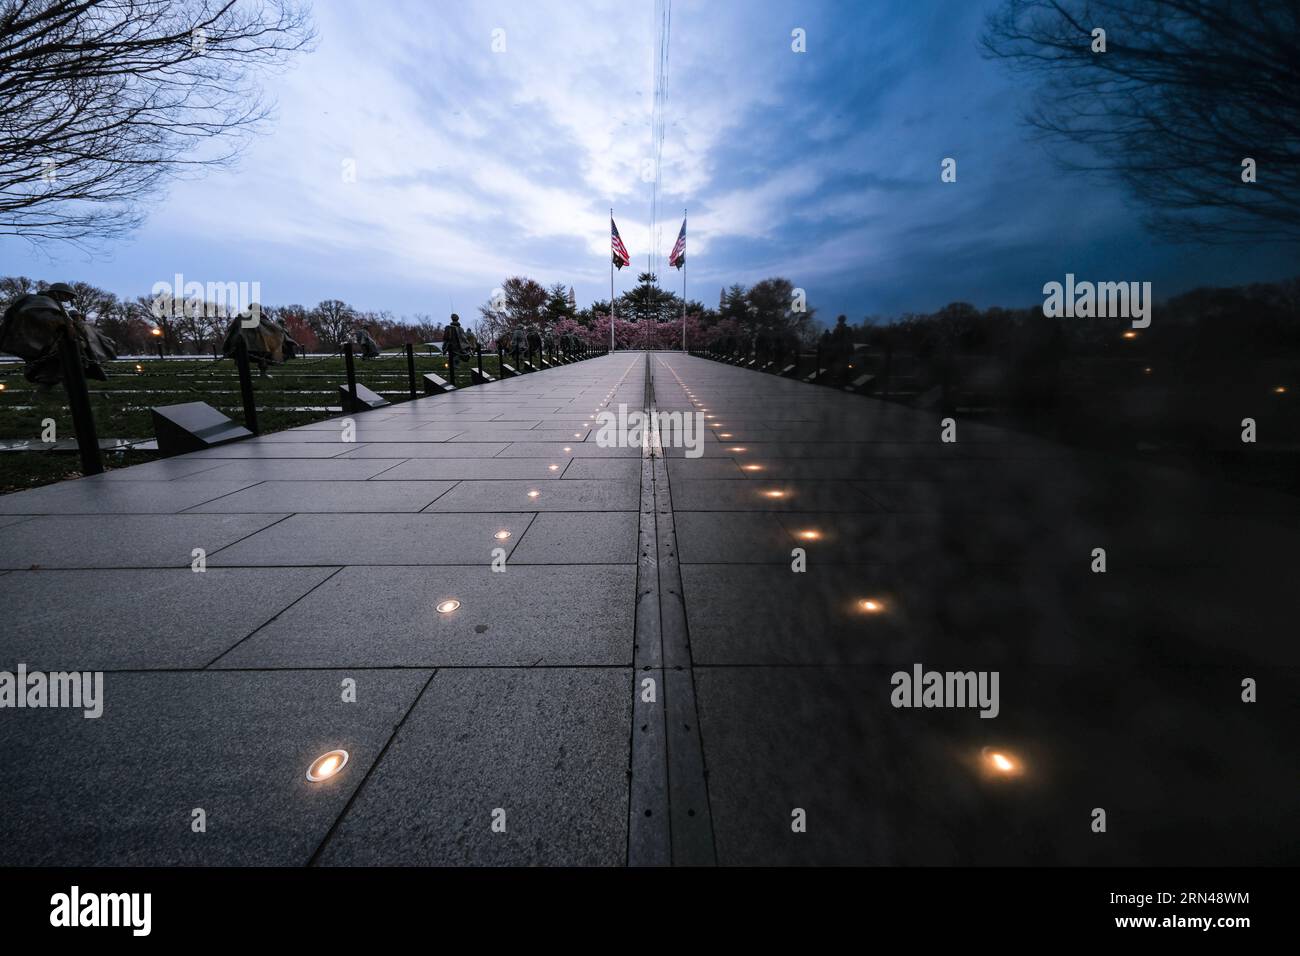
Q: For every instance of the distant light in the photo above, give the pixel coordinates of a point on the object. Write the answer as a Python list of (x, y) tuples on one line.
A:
[(155, 331), (447, 606), (1280, 390), (1147, 370), (774, 494), (577, 434), (752, 467), (871, 605), (534, 494), (2, 384), (327, 765), (139, 367), (1130, 334), (501, 535), (1001, 763), (735, 449), (568, 449), (810, 535), (553, 467)]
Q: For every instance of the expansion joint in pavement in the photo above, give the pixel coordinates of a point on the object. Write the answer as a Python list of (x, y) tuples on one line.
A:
[(669, 817)]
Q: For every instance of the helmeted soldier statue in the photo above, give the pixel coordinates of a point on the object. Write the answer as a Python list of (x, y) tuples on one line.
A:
[(34, 326), (369, 347), (454, 340), (519, 340), (266, 342)]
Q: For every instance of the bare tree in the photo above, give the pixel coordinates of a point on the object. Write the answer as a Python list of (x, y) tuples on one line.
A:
[(1184, 93), (332, 321), (103, 101)]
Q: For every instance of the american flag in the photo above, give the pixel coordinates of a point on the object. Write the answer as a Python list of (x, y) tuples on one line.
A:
[(677, 258), (621, 258)]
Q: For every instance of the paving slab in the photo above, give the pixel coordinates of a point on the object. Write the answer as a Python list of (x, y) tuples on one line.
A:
[(294, 470), (140, 619), (388, 617), (548, 747), (458, 469), (118, 497), (566, 495), (579, 537), (396, 539), (122, 789), (337, 497), (122, 541)]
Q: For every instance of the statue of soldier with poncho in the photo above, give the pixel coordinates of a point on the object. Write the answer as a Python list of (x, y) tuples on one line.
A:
[(455, 341), (35, 326), (266, 341)]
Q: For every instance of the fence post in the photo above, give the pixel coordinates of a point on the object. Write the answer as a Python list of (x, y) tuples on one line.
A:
[(889, 361), (480, 362), (410, 367), (83, 419), (352, 377), (245, 382)]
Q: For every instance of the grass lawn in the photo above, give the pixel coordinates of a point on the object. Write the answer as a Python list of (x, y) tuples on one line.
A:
[(298, 392)]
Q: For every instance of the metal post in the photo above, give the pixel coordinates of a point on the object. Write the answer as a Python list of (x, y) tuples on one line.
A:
[(410, 367), (889, 361), (160, 350), (83, 419), (480, 363), (352, 377), (451, 366), (245, 383)]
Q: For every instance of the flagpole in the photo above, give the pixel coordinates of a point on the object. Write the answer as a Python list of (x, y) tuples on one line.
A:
[(683, 284), (611, 279)]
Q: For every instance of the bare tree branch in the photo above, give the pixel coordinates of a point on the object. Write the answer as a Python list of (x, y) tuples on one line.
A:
[(1184, 92), (104, 101)]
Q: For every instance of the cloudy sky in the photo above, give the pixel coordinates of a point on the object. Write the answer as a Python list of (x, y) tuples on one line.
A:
[(473, 165)]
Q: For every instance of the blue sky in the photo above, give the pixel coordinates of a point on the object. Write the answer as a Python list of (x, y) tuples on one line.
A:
[(472, 165)]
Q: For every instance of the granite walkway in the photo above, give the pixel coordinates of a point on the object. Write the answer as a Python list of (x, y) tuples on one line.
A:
[(652, 673)]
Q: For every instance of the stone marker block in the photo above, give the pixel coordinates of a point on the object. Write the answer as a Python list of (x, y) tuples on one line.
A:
[(366, 399), (480, 378), (815, 376), (787, 371), (527, 366), (193, 426), (508, 371), (436, 385), (863, 383)]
